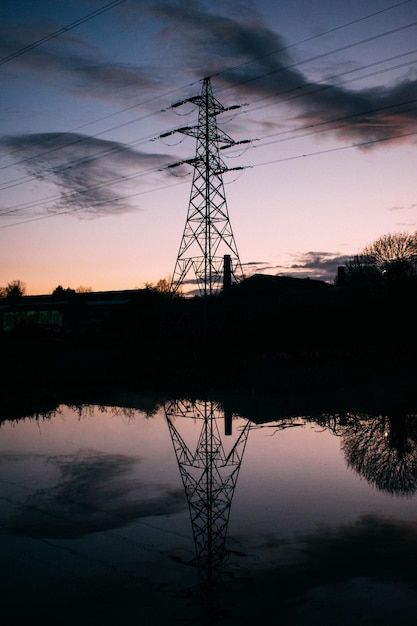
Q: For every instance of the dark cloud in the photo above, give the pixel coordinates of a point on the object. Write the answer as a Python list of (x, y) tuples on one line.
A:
[(334, 574), (121, 79), (260, 64), (96, 493), (193, 40), (320, 265), (215, 42), (316, 265), (94, 176)]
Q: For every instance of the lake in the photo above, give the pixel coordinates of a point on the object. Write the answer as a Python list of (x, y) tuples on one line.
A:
[(189, 512)]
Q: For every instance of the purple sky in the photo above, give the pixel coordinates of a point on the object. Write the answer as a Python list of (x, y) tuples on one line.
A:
[(329, 95)]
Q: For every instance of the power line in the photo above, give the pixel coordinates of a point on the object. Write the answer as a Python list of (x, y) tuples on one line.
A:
[(124, 178), (116, 148), (117, 179), (110, 115), (120, 148), (85, 190), (70, 211), (271, 162), (327, 123), (242, 64), (80, 139), (328, 53), (60, 31), (322, 85), (337, 149), (322, 34)]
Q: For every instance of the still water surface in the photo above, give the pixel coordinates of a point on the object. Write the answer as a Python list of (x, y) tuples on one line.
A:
[(195, 515)]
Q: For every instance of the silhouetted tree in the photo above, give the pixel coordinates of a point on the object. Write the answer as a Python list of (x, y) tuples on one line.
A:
[(60, 291), (392, 257), (162, 286), (15, 289), (392, 248)]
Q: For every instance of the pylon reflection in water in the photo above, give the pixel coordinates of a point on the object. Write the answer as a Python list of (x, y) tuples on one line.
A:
[(209, 475)]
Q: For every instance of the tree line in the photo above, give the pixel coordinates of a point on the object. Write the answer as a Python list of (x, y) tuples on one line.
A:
[(17, 289), (392, 258)]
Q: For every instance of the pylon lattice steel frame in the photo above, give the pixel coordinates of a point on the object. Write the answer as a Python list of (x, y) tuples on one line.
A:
[(207, 236)]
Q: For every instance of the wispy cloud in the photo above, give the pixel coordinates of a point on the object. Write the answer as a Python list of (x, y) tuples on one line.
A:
[(402, 207), (370, 548), (93, 176)]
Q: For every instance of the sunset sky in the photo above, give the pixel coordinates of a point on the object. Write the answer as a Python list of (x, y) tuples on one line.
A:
[(329, 97)]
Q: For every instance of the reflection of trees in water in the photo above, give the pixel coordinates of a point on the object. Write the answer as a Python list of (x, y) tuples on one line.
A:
[(148, 406), (86, 410), (382, 449), (90, 410), (283, 424)]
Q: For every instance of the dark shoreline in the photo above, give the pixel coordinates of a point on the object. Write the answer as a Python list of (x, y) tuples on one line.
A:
[(273, 345), (40, 375)]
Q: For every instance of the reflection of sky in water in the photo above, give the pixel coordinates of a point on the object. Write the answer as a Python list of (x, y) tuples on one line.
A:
[(97, 496), (96, 462), (297, 479)]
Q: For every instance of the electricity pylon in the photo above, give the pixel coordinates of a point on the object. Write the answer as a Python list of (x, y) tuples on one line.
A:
[(208, 247), (209, 475)]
